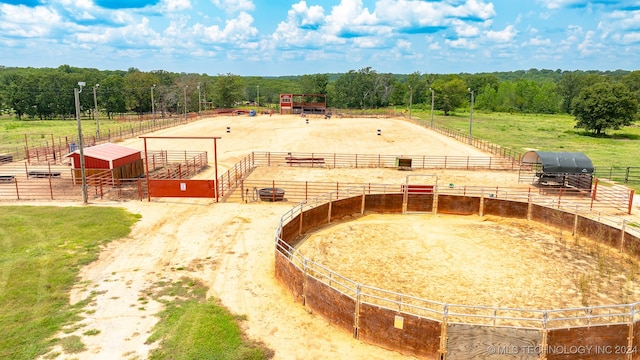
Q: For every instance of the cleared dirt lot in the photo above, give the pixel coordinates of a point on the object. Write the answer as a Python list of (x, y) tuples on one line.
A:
[(229, 246)]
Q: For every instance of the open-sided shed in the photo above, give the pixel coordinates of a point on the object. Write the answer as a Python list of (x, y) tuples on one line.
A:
[(123, 162), (565, 169)]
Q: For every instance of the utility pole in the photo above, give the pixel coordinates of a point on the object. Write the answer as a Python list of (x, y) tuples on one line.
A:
[(471, 119), (185, 101), (76, 94), (410, 100), (199, 100), (432, 103), (153, 106), (95, 112)]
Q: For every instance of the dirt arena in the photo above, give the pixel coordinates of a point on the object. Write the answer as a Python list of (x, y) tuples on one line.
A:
[(230, 246), (472, 260)]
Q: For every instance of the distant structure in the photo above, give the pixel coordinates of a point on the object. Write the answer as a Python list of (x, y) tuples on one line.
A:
[(303, 104)]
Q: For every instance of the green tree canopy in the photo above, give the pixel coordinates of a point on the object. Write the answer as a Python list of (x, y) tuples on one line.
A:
[(605, 105), (228, 90), (449, 94)]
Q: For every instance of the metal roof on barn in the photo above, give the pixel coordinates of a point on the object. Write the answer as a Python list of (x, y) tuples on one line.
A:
[(107, 152), (560, 162)]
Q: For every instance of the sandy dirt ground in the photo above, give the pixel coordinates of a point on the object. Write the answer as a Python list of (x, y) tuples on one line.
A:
[(473, 260), (229, 246)]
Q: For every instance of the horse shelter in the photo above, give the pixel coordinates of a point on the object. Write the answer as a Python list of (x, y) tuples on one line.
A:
[(558, 169), (120, 161)]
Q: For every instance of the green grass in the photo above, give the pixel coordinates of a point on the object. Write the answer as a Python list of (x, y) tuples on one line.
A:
[(41, 252), (193, 327), (522, 133), (42, 132)]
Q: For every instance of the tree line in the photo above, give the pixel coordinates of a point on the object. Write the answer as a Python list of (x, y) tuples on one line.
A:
[(47, 93)]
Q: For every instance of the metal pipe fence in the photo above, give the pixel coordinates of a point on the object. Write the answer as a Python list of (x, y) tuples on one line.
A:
[(54, 149), (297, 191), (335, 160), (540, 319)]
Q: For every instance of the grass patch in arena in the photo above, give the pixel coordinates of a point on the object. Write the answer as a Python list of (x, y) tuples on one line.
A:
[(194, 327)]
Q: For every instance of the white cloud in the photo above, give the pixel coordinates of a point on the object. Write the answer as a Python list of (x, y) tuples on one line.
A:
[(475, 8), (588, 46), (307, 16), (350, 16), (574, 30), (137, 33), (236, 30), (234, 6), (631, 38), (620, 26), (557, 4), (23, 21), (502, 36), (411, 13), (462, 43), (174, 5), (464, 29), (539, 41)]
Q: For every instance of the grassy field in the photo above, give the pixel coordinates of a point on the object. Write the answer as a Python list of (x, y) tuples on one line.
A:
[(14, 134), (42, 251), (546, 133)]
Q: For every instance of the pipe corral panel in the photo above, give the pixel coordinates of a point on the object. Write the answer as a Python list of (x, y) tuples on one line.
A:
[(479, 342), (432, 337), (384, 203), (458, 205), (346, 208), (290, 276), (505, 208), (334, 306), (595, 342), (418, 336)]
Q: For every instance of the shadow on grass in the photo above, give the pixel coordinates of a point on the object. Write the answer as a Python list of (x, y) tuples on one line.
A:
[(616, 136)]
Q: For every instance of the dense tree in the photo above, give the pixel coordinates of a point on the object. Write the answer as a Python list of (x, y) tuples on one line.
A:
[(449, 94), (111, 95), (605, 105), (399, 93), (346, 94), (419, 88), (383, 88), (138, 89), (228, 90), (314, 84), (48, 93), (632, 81), (482, 82)]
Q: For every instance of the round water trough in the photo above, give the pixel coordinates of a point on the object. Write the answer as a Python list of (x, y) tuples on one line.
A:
[(271, 194)]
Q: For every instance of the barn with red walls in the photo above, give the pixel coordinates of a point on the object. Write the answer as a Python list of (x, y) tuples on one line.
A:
[(123, 162)]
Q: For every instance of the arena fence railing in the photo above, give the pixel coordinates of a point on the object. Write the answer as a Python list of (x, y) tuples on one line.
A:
[(435, 329)]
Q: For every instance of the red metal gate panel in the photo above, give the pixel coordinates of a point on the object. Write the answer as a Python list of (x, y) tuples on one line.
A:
[(182, 188)]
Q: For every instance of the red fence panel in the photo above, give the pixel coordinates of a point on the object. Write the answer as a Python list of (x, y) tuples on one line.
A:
[(182, 188)]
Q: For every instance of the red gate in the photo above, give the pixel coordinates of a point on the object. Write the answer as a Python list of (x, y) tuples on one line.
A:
[(182, 188)]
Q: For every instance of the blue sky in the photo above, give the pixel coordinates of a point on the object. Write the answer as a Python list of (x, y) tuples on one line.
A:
[(276, 37)]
